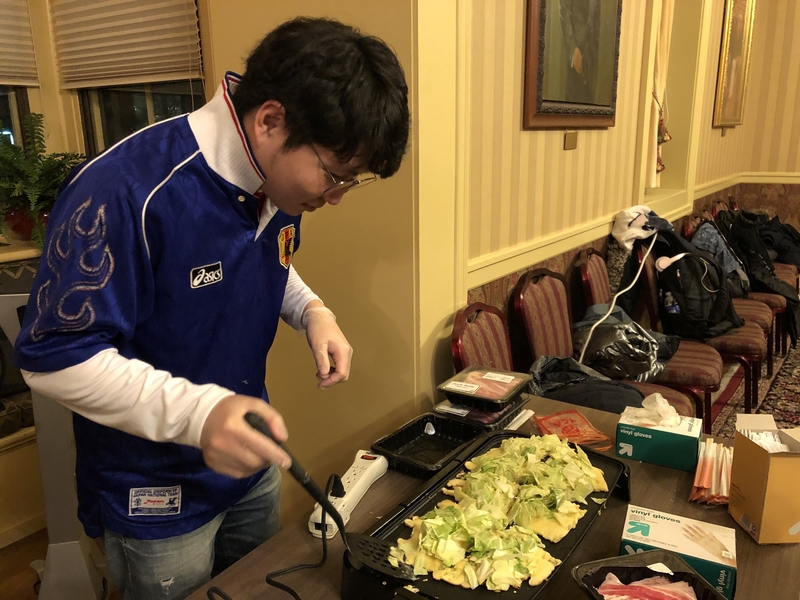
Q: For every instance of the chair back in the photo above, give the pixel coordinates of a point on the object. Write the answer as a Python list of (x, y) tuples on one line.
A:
[(594, 276), (649, 318), (480, 337), (542, 308)]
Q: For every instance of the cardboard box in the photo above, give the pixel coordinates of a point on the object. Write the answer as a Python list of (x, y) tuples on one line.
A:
[(763, 497), (674, 447), (709, 549)]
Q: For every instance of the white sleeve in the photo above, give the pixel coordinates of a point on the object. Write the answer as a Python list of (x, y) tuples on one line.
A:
[(131, 395), (295, 298)]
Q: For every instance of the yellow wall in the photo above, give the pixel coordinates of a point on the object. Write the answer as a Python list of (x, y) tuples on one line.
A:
[(522, 184), (21, 500), (359, 257), (768, 141)]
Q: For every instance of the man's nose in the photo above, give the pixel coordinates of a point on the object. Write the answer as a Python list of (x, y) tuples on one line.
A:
[(334, 197)]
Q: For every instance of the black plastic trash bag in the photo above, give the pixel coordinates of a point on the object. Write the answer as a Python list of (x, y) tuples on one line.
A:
[(619, 347)]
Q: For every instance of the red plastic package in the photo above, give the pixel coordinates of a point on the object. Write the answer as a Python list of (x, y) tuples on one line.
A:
[(572, 426)]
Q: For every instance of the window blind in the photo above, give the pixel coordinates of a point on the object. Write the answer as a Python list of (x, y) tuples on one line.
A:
[(117, 42), (17, 61)]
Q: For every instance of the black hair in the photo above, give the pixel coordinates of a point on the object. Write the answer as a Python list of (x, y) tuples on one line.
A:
[(341, 90)]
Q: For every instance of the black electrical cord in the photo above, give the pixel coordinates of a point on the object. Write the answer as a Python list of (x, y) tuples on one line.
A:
[(214, 593), (270, 578)]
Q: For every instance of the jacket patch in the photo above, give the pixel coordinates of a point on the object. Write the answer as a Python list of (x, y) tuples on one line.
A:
[(158, 501), (206, 275), (286, 245)]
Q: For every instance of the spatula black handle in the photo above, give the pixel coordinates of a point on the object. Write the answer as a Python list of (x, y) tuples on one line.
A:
[(300, 474)]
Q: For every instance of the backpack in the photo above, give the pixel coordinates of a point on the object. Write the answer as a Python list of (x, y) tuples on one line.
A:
[(694, 298)]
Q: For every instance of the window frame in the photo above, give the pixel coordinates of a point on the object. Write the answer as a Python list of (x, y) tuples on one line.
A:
[(20, 108), (91, 111)]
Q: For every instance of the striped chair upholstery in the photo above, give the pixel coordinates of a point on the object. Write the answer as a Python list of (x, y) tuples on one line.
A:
[(480, 337), (542, 292), (754, 311), (650, 286), (549, 328), (777, 304), (786, 268), (771, 300), (745, 340), (595, 277), (788, 274), (694, 364)]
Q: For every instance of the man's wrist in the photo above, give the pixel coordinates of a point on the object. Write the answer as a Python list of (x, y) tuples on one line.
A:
[(317, 312)]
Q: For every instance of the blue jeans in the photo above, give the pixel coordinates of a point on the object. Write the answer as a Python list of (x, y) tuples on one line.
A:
[(172, 568)]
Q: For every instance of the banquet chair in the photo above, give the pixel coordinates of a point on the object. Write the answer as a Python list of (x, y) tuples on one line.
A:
[(695, 369), (745, 345), (787, 273), (480, 337), (542, 310), (772, 319)]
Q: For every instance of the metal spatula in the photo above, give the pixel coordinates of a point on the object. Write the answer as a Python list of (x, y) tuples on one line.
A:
[(364, 550)]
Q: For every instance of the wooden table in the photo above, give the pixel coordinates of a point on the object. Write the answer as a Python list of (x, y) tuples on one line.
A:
[(764, 572)]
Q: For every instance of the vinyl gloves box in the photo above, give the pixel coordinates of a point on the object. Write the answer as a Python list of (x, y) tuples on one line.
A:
[(709, 549), (764, 496), (674, 447)]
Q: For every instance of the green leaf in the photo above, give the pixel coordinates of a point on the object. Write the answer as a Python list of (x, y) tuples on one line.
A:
[(29, 177)]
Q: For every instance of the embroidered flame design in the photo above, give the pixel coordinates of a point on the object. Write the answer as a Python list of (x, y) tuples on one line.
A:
[(94, 266)]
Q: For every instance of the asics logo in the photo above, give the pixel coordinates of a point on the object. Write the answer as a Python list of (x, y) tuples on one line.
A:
[(206, 275)]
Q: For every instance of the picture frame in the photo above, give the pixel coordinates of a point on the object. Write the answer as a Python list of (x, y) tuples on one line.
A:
[(734, 62), (571, 64)]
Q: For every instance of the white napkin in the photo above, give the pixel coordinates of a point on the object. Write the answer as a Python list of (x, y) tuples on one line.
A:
[(655, 411)]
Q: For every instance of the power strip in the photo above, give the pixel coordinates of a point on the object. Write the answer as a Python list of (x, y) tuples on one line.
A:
[(366, 469)]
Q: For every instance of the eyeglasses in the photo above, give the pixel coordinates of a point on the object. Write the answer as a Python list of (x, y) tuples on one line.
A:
[(344, 185)]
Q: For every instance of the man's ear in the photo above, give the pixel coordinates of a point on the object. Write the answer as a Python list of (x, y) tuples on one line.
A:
[(270, 119)]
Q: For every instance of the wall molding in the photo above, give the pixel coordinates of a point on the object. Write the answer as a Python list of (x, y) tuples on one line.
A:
[(750, 177), (22, 530), (20, 439), (669, 204), (498, 264)]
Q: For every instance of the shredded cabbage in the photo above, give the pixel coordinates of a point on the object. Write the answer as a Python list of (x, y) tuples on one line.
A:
[(489, 534)]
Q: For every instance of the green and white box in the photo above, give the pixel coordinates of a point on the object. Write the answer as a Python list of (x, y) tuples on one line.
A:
[(674, 447), (709, 549)]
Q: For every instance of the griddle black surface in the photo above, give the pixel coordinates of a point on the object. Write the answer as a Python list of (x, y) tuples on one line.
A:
[(364, 584)]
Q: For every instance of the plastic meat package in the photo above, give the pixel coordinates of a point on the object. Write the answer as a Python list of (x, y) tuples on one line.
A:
[(484, 388)]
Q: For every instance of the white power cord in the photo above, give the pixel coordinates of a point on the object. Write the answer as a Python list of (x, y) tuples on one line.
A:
[(617, 295)]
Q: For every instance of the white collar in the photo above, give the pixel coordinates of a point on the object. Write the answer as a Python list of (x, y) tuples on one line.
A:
[(221, 138)]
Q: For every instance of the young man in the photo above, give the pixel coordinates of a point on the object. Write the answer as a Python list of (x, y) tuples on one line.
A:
[(166, 268)]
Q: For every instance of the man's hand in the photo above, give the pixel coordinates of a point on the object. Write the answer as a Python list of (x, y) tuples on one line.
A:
[(324, 338), (231, 447)]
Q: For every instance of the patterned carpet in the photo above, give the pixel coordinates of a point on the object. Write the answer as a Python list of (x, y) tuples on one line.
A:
[(779, 397)]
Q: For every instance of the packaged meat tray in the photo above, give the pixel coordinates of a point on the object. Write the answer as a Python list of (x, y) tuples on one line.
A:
[(612, 577), (485, 388), (490, 421)]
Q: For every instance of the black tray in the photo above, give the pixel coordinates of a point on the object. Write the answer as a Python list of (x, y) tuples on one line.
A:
[(363, 584), (482, 402), (633, 567), (412, 451), (513, 410)]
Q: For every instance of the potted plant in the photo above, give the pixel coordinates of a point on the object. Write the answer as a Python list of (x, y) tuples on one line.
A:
[(29, 181)]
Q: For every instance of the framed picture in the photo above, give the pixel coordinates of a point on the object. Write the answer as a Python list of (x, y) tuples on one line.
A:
[(571, 63), (734, 59)]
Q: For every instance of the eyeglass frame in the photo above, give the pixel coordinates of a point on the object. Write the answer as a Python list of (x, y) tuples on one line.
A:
[(344, 184)]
